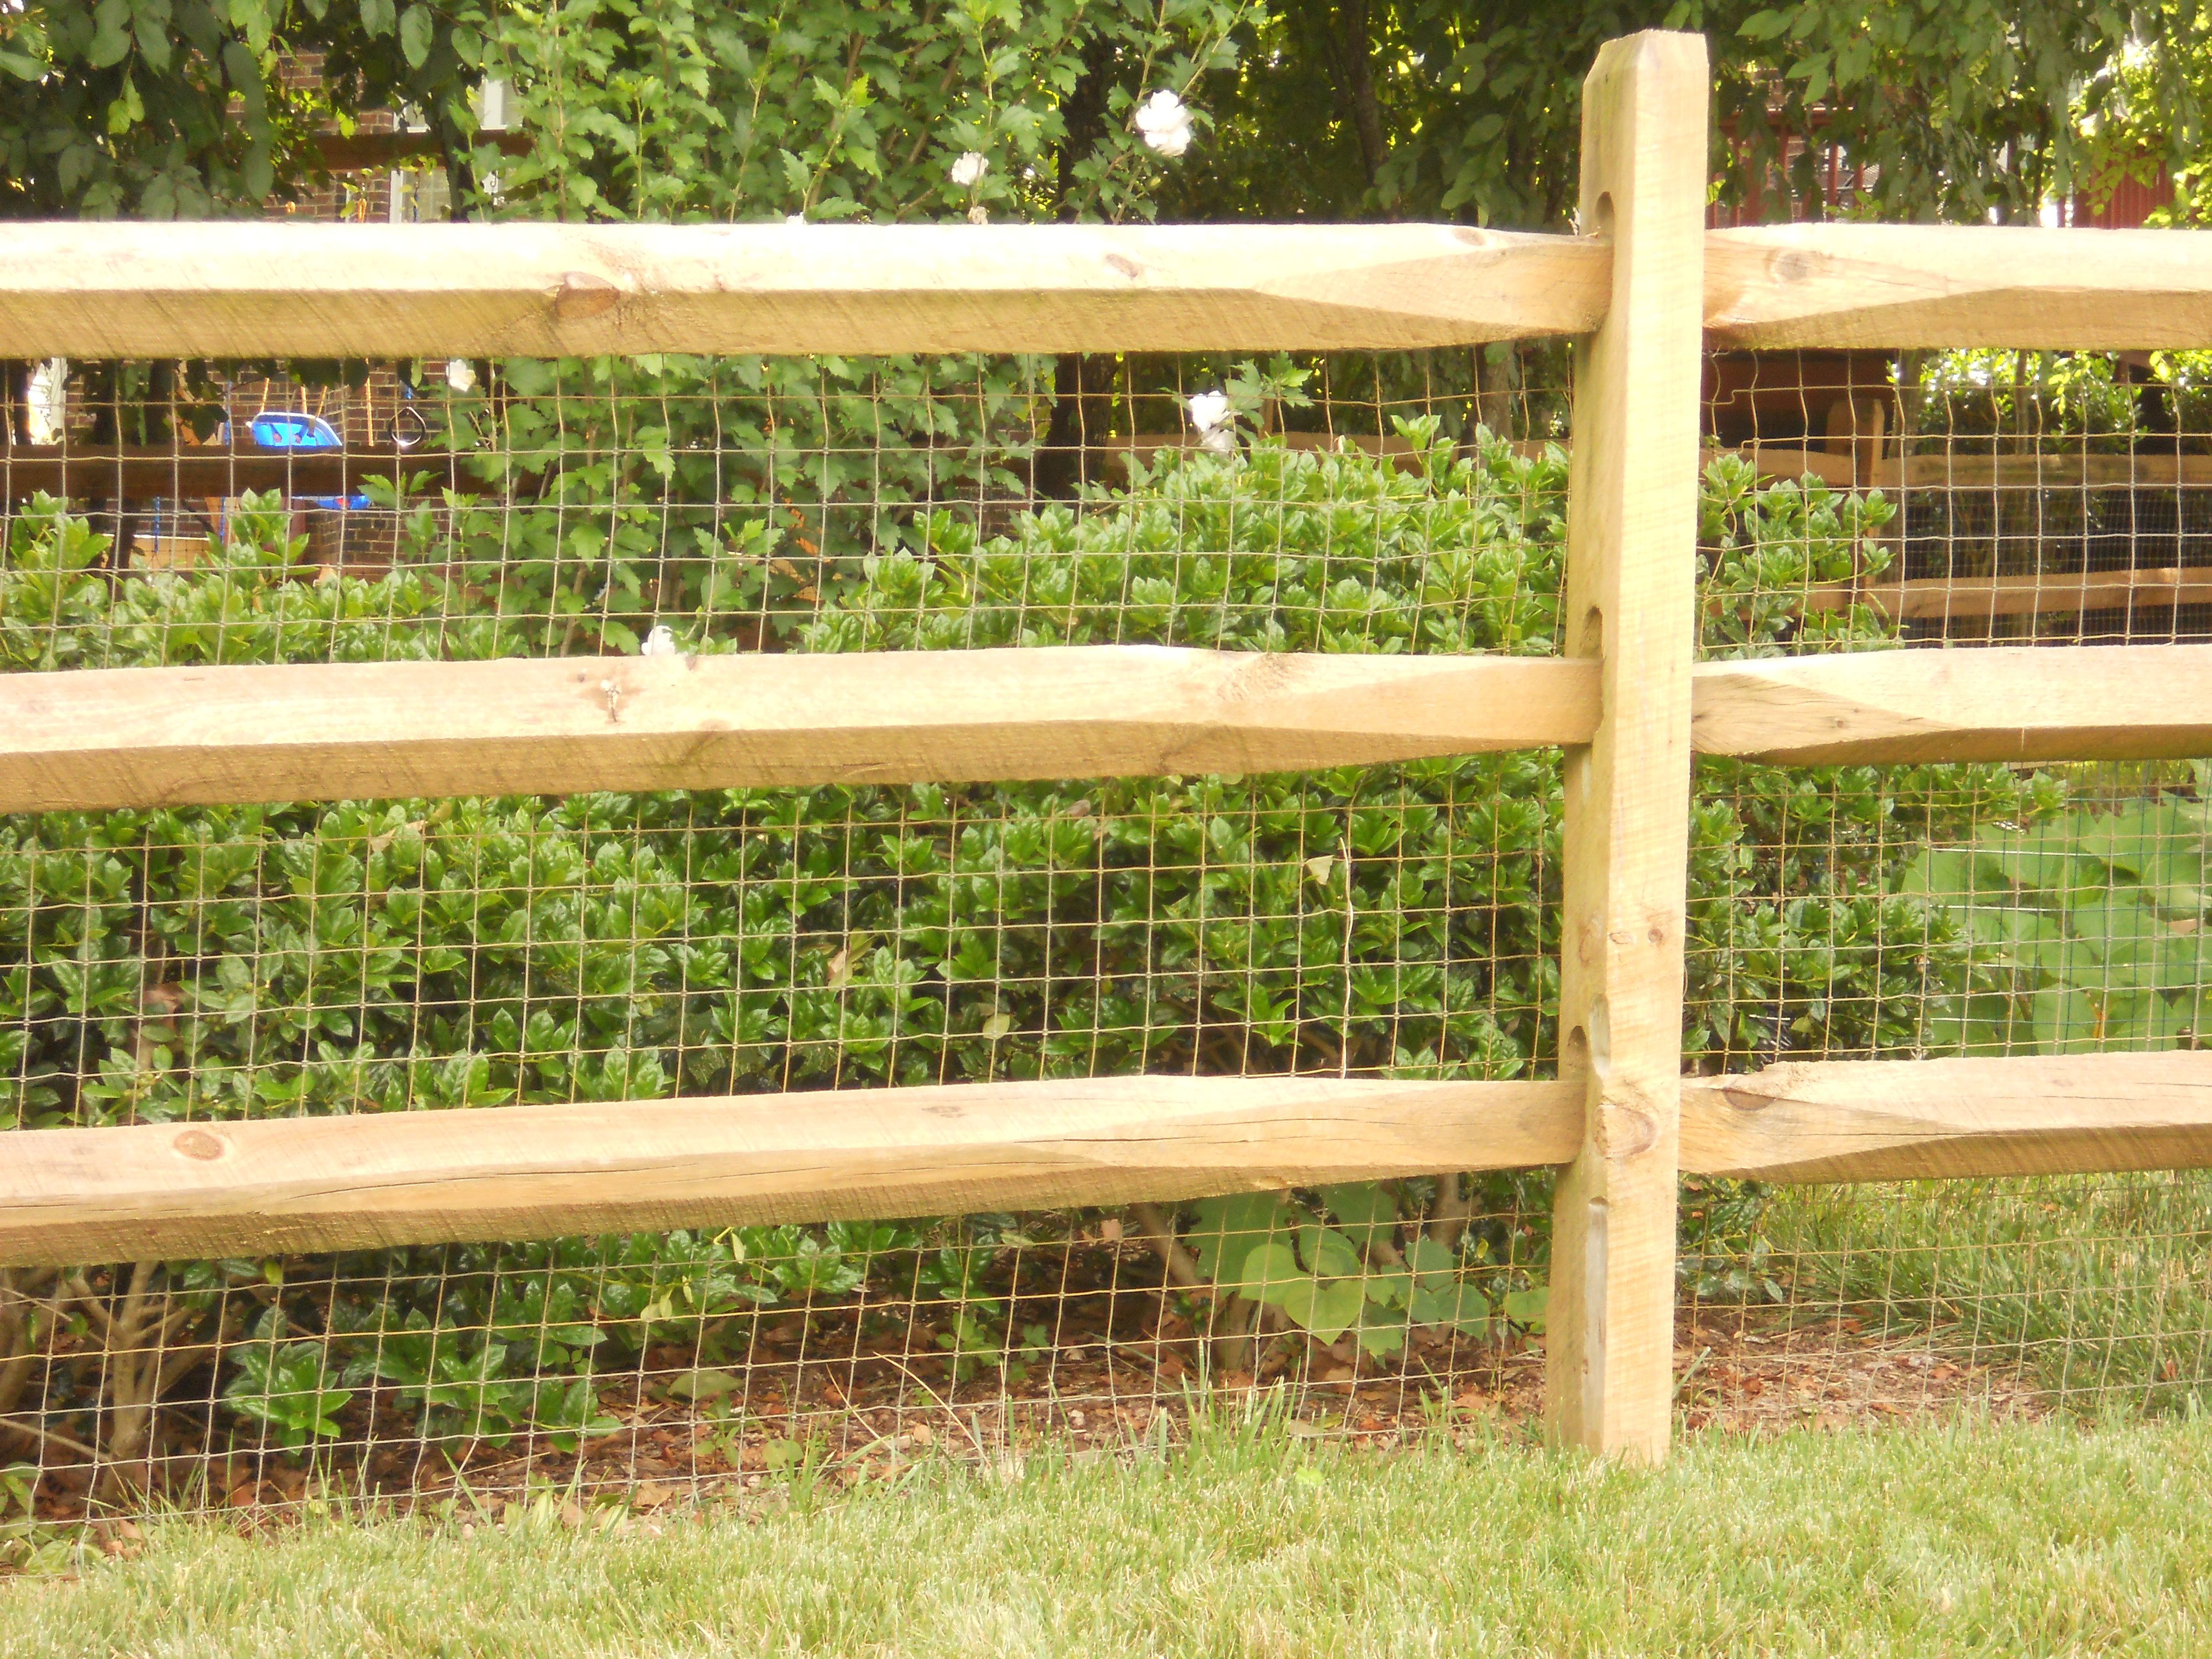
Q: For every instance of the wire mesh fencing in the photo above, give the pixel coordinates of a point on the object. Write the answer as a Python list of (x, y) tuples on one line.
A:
[(1953, 499), (224, 963), (187, 964)]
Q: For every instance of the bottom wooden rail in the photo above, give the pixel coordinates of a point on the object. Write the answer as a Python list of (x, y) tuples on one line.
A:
[(1886, 1120), (334, 1183)]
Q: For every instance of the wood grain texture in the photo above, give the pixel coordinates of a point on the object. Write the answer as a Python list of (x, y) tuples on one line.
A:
[(307, 1184), (1960, 468), (1999, 702), (232, 290), (1775, 286), (331, 1183), (144, 736), (2072, 468), (1631, 558), (1895, 1120), (246, 289), (2056, 594)]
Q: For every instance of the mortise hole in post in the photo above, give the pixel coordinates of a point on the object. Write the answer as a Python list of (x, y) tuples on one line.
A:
[(1574, 1053), (1601, 216)]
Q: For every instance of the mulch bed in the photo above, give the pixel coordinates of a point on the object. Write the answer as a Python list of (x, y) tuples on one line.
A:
[(863, 1391)]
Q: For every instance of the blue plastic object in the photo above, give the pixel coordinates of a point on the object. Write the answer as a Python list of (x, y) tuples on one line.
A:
[(285, 429)]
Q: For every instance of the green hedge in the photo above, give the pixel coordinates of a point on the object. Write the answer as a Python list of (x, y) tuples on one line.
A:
[(373, 956)]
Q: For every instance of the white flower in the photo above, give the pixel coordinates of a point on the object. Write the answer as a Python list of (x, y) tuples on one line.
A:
[(1209, 410), (460, 374), (46, 402), (794, 219), (1209, 413), (1164, 120), (967, 171), (659, 643)]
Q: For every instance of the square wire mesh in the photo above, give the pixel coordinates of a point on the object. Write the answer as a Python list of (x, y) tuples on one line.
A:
[(1929, 500), (286, 958)]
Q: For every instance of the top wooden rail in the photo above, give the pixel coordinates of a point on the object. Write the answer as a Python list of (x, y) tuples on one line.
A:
[(1959, 285), (474, 290), (273, 289)]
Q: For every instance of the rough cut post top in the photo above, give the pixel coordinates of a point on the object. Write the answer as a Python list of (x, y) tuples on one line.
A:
[(248, 289)]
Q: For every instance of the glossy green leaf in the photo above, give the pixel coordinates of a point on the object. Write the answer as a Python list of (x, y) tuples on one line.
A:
[(1227, 1228), (1267, 1273), (2066, 1021), (417, 30), (1457, 1304), (1328, 1252), (1366, 1210), (1527, 1309), (1327, 1308), (2042, 856)]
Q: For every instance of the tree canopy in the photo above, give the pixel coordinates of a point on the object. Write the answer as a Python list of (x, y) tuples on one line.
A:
[(1305, 109), (165, 109), (1409, 108)]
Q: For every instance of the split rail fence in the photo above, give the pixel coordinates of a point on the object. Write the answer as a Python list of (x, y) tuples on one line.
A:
[(1643, 288)]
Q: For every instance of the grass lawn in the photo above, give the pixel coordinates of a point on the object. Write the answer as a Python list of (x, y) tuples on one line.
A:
[(2093, 1287), (2048, 1538)]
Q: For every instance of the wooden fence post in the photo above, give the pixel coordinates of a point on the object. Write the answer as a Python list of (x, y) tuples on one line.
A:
[(1632, 538)]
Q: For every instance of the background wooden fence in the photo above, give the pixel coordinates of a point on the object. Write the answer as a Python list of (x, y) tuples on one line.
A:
[(1644, 287)]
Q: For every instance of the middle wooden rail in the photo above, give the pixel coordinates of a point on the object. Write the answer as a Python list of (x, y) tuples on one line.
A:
[(1973, 703), (144, 736), (88, 739)]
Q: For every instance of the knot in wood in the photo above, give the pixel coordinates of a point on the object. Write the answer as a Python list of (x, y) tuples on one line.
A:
[(1622, 1131), (583, 295), (199, 1144)]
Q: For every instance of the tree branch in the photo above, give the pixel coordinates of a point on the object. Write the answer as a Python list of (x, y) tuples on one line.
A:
[(1158, 1230)]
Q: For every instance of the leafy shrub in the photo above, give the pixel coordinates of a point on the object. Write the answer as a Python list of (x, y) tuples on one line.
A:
[(282, 1384), (2092, 926), (2033, 395), (363, 956)]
